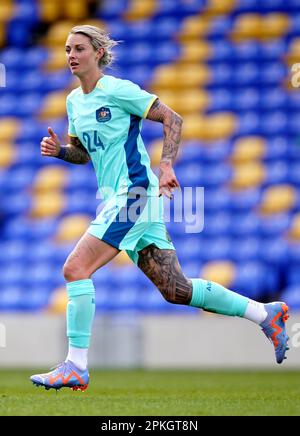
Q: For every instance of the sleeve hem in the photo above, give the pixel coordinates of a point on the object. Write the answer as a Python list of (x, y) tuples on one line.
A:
[(149, 106)]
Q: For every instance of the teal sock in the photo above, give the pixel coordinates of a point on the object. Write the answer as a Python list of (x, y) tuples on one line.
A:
[(80, 312), (213, 297)]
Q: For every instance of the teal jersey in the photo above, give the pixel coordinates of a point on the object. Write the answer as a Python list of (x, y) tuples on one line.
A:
[(108, 122)]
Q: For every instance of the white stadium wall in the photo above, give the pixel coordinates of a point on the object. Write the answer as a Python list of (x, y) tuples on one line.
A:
[(152, 341)]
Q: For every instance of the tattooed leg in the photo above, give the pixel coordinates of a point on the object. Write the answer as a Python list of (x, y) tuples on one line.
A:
[(163, 269)]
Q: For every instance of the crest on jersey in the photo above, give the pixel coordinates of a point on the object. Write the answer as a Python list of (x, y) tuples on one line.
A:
[(103, 114)]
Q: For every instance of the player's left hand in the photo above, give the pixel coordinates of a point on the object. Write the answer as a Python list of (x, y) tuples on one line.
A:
[(167, 180)]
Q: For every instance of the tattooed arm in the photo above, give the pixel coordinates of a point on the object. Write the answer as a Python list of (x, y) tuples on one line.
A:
[(73, 152), (172, 123)]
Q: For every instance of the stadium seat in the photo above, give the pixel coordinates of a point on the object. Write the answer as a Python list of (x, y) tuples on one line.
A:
[(222, 272), (50, 178), (194, 27), (56, 60), (50, 10), (219, 7), (140, 10), (291, 295), (54, 106), (277, 199), (47, 205), (71, 228), (195, 51), (169, 77), (247, 149), (9, 129), (7, 155), (294, 230), (58, 33), (77, 10), (210, 128), (248, 175)]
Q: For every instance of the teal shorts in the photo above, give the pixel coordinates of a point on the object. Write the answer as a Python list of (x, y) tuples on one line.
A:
[(131, 224)]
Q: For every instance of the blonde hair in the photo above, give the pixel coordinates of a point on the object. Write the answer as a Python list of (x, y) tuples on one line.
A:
[(99, 39)]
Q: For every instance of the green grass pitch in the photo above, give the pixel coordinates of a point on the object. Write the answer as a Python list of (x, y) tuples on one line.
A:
[(158, 393)]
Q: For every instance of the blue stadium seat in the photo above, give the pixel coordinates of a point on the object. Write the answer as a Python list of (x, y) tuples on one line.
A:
[(274, 225), (255, 280), (217, 224), (246, 249), (244, 224), (273, 99), (28, 105), (222, 75), (216, 199), (291, 295), (246, 99), (272, 73), (277, 172), (245, 200), (277, 148), (249, 123), (274, 250), (221, 100), (215, 249), (274, 123), (248, 51), (217, 152), (273, 50), (220, 26)]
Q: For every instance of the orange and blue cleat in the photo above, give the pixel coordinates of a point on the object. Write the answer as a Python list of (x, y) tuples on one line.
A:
[(274, 328), (65, 375)]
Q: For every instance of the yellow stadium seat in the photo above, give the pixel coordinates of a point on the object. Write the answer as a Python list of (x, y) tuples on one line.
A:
[(294, 231), (47, 205), (95, 22), (277, 199), (155, 152), (222, 272), (2, 35), (57, 59), (76, 9), (50, 178), (122, 259), (248, 148), (71, 228), (275, 25), (194, 28), (54, 105), (50, 10), (195, 51), (220, 125), (176, 76), (248, 175), (140, 10), (185, 101), (58, 301), (9, 129), (293, 54), (247, 26), (57, 35), (209, 128), (7, 155), (7, 11), (219, 7)]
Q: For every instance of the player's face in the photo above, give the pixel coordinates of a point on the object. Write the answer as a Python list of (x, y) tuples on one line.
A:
[(81, 56)]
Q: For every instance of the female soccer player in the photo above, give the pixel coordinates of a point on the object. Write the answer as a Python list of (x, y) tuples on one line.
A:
[(105, 116)]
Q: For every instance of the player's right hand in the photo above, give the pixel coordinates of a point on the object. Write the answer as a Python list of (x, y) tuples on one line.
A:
[(50, 145)]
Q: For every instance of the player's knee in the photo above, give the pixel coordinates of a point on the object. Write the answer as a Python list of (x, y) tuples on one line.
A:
[(73, 271)]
